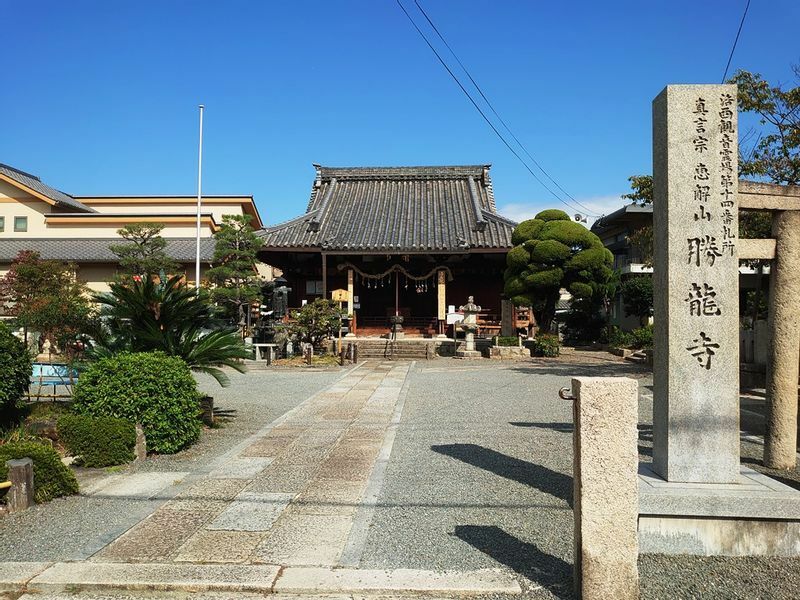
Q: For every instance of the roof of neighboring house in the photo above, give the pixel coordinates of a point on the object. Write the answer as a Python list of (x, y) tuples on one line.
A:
[(621, 215), (32, 182), (397, 209), (246, 201), (96, 250)]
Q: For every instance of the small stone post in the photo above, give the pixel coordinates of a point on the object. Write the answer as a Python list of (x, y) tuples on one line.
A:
[(507, 310), (20, 474), (140, 450), (207, 410), (606, 487), (784, 349), (355, 353)]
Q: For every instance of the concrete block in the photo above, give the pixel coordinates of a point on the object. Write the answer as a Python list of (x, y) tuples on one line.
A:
[(241, 468), (136, 485), (606, 503), (314, 580), (718, 536), (14, 575), (299, 539), (252, 511), (156, 577), (219, 546), (754, 496)]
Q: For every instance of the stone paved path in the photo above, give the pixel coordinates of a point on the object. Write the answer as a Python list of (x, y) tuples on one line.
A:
[(289, 497), (285, 511)]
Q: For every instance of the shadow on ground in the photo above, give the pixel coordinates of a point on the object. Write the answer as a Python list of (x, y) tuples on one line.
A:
[(645, 433), (600, 369), (563, 427), (528, 473), (525, 559)]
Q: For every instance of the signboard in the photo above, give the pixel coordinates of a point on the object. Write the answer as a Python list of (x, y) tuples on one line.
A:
[(339, 295)]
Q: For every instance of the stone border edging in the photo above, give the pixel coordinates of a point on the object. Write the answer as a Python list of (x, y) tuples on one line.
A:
[(57, 577)]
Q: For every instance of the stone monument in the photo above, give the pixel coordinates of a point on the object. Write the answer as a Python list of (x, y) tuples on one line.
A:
[(695, 497), (695, 222), (469, 325)]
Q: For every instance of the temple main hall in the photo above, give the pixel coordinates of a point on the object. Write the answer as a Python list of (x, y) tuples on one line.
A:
[(409, 241)]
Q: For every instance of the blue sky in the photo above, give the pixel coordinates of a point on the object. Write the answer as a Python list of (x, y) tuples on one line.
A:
[(100, 97)]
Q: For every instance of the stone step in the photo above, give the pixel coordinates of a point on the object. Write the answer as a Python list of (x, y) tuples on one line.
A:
[(398, 349), (638, 357)]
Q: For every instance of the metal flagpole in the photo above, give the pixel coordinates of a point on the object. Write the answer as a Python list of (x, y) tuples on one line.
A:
[(199, 201)]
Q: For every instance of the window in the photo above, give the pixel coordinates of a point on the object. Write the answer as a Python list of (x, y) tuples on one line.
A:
[(20, 223), (313, 288), (2, 224)]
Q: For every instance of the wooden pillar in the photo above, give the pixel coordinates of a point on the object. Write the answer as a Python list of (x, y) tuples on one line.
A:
[(441, 297), (350, 292), (324, 275)]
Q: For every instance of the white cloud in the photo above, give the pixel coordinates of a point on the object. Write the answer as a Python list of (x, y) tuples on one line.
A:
[(598, 205)]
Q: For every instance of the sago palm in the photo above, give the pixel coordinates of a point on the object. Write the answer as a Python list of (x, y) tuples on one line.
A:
[(146, 315)]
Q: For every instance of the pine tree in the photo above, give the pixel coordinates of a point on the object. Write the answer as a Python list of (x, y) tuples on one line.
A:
[(235, 278), (145, 253)]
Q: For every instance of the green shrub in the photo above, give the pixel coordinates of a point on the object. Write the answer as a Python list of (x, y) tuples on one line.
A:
[(510, 340), (16, 374), (619, 338), (150, 388), (637, 296), (546, 344), (99, 441), (642, 337), (51, 478)]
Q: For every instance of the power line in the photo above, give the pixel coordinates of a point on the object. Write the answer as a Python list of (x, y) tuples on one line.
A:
[(478, 108), (735, 41), (491, 107)]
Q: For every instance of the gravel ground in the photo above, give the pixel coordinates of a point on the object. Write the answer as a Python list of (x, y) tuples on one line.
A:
[(480, 476), (76, 527), (480, 472)]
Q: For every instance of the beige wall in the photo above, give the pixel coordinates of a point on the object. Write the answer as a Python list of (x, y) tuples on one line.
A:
[(15, 202), (217, 209), (30, 207), (97, 276), (90, 230)]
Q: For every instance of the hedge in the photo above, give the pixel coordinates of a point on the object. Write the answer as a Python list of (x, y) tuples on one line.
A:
[(98, 441), (150, 388), (51, 478), (16, 373)]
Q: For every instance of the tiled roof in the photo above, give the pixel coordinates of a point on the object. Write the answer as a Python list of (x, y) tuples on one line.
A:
[(97, 249), (620, 215), (34, 183), (397, 209)]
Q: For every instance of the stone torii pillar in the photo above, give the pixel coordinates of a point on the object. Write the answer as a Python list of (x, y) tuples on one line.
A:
[(783, 359)]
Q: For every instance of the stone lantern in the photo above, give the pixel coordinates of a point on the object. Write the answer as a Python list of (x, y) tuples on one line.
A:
[(469, 325)]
